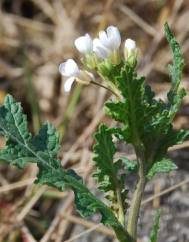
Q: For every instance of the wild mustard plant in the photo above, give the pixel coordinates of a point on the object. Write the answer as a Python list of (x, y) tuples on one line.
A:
[(142, 121)]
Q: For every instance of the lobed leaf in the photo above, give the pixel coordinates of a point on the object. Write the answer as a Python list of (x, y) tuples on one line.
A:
[(104, 151), (162, 166), (47, 140), (42, 149), (107, 171), (176, 93)]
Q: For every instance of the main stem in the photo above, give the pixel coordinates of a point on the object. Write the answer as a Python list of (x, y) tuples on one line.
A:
[(137, 196), (122, 235)]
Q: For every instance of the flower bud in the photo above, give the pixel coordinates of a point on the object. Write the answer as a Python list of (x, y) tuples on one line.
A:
[(130, 51), (84, 44)]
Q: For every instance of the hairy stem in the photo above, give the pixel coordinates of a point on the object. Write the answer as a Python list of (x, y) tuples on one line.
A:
[(137, 197)]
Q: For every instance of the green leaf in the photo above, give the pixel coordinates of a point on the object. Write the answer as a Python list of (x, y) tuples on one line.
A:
[(13, 125), (131, 110), (161, 134), (130, 165), (169, 139), (47, 140), (104, 151), (15, 154), (176, 93), (13, 121), (107, 171), (21, 148), (163, 166), (155, 228), (178, 60)]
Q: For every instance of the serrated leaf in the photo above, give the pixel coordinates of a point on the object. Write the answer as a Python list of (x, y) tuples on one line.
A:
[(107, 171), (178, 60), (15, 154), (104, 151), (13, 121), (47, 140), (22, 148), (129, 111), (176, 93), (13, 125), (155, 228), (163, 166)]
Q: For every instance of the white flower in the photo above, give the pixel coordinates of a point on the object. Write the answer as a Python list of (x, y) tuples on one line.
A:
[(84, 44), (130, 44), (71, 70), (106, 46), (99, 49), (110, 39)]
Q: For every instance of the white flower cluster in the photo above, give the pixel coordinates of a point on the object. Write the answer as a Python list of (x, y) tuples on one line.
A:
[(105, 46)]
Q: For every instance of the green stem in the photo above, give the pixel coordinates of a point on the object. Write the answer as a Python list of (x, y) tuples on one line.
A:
[(121, 214), (122, 235), (137, 197), (110, 90)]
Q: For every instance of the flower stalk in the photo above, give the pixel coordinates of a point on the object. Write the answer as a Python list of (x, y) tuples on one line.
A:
[(107, 88)]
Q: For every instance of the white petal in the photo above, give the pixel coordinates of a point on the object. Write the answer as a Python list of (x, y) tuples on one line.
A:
[(130, 44), (68, 84), (104, 39), (115, 37), (84, 44), (62, 68), (101, 52), (99, 49), (96, 43), (89, 42), (69, 68)]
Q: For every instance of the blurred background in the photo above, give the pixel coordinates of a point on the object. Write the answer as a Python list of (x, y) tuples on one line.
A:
[(35, 37)]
